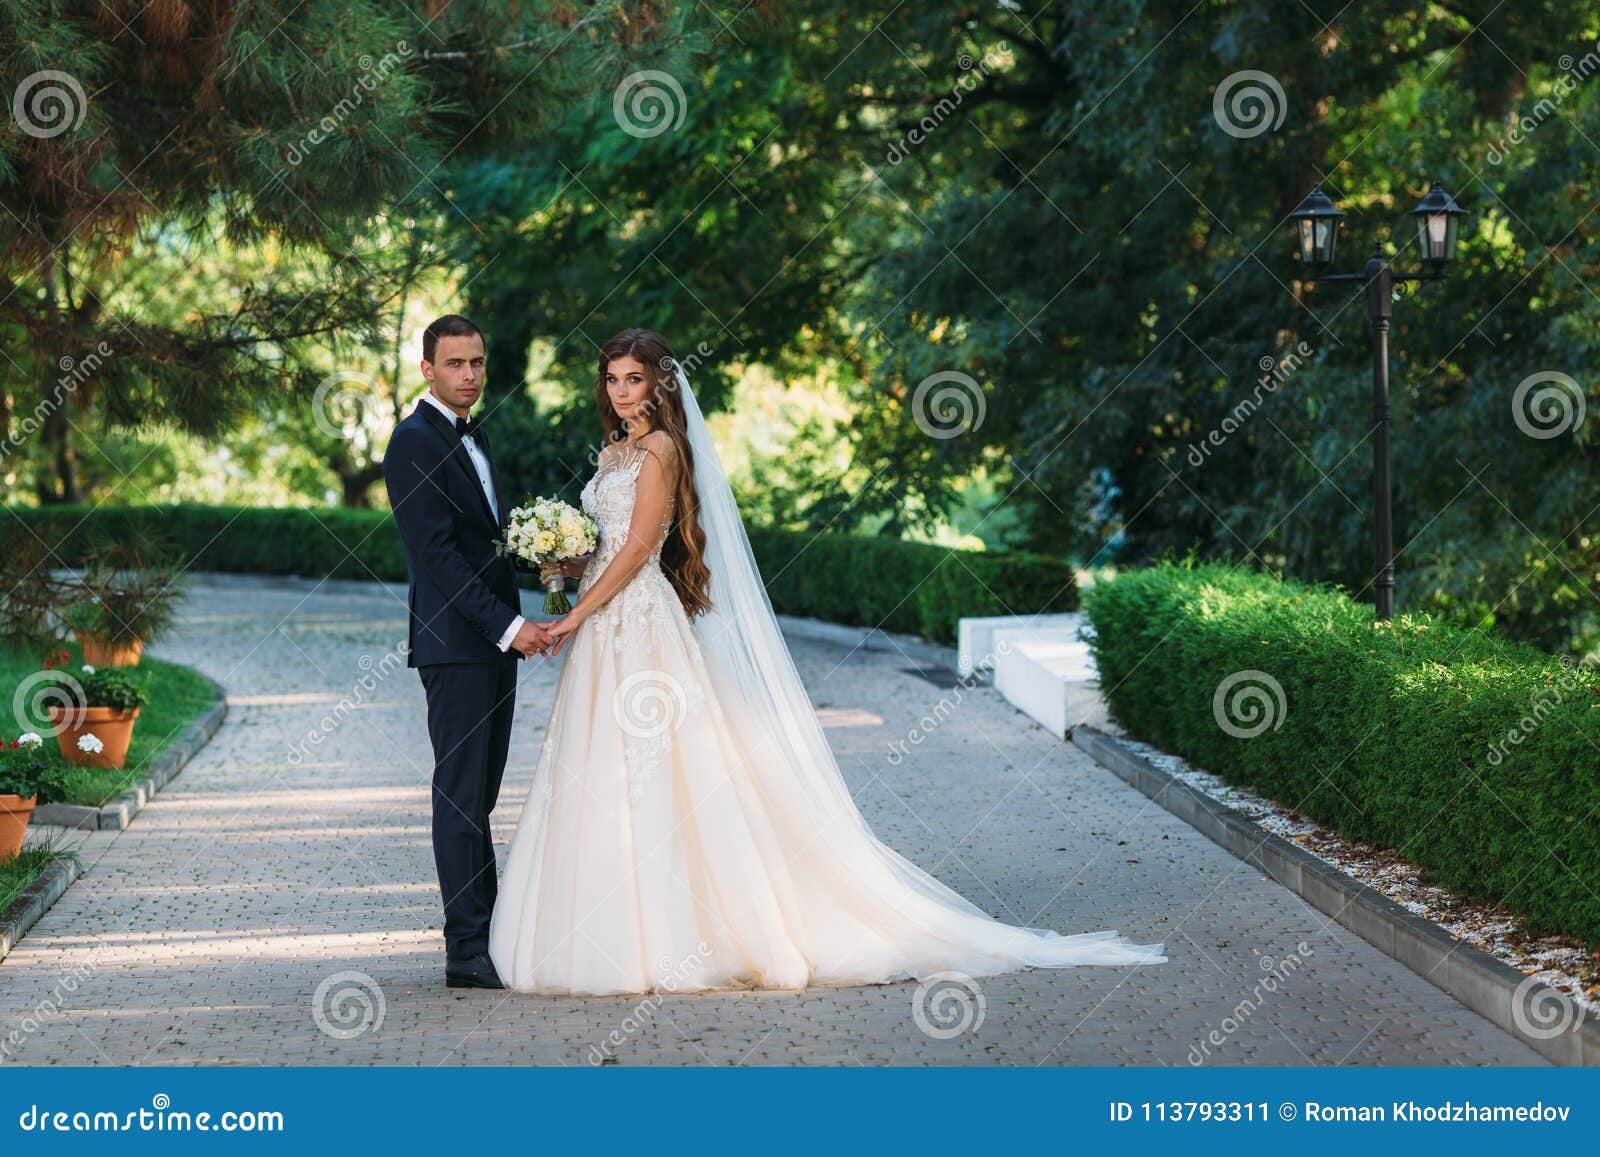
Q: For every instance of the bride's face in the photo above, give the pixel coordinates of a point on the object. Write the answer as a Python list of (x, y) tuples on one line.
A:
[(628, 388)]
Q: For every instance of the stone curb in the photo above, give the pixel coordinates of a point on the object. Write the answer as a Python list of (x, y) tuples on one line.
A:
[(1490, 987), (38, 896), (119, 812), (35, 900)]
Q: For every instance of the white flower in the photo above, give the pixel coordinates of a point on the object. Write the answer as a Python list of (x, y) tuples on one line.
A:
[(87, 669), (544, 542), (570, 545), (28, 739), (90, 742)]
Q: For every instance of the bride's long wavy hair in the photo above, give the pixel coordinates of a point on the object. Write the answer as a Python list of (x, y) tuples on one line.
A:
[(683, 552)]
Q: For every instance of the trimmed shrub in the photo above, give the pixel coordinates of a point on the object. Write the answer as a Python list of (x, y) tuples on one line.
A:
[(1476, 758), (906, 587), (899, 586)]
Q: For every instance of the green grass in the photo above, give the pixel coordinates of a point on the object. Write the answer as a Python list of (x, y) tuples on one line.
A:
[(177, 695), (28, 865)]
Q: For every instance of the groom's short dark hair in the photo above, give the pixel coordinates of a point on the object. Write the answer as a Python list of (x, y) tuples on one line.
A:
[(450, 325)]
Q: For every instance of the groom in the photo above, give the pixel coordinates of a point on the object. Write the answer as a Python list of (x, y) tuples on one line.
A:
[(465, 632)]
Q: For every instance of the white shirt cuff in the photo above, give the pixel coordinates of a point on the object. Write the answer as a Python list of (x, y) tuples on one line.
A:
[(511, 632)]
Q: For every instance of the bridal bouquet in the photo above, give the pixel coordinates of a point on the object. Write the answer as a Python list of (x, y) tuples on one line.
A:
[(547, 532)]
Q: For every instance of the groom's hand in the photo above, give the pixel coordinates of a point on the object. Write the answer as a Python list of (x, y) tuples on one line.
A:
[(531, 640)]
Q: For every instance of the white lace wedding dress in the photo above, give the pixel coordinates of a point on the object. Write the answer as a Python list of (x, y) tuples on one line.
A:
[(677, 839)]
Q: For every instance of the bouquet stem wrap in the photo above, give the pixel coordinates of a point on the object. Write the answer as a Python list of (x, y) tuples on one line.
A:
[(555, 599)]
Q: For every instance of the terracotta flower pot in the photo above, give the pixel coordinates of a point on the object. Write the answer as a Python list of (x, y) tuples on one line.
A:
[(112, 727), (15, 812), (97, 652)]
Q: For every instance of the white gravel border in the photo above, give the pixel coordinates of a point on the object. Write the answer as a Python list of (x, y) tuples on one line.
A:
[(1558, 961)]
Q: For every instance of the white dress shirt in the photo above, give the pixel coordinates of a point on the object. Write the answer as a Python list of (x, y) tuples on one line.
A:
[(480, 463)]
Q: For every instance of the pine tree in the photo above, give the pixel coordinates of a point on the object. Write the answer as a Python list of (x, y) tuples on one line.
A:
[(300, 130)]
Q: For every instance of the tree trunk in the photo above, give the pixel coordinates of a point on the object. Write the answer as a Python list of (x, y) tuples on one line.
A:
[(58, 478), (357, 484)]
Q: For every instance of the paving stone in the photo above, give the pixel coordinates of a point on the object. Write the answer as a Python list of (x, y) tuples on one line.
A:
[(202, 933)]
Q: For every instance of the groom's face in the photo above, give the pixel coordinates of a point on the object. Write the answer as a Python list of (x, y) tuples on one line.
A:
[(456, 373)]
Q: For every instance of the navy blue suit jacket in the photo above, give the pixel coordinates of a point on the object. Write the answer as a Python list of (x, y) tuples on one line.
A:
[(463, 594)]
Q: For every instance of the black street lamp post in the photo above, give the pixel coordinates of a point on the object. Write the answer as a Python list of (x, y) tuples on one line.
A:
[(1317, 231)]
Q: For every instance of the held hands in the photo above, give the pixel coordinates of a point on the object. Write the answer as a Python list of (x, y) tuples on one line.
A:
[(532, 640), (546, 639), (561, 630)]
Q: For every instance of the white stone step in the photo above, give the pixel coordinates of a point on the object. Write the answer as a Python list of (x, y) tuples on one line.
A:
[(975, 636), (1049, 674)]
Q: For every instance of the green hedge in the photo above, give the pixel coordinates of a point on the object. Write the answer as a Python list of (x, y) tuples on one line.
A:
[(1476, 758), (906, 587), (347, 544), (899, 586)]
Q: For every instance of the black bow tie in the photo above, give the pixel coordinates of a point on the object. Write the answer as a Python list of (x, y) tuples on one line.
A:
[(467, 427)]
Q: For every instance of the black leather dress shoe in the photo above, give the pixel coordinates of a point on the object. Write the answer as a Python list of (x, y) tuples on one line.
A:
[(472, 972)]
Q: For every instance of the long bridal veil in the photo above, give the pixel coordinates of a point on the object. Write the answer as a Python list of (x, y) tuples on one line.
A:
[(920, 925)]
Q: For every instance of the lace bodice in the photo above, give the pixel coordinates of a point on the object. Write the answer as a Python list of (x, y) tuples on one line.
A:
[(608, 499), (637, 618)]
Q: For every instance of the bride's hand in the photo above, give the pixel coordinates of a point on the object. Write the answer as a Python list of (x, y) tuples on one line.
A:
[(561, 630)]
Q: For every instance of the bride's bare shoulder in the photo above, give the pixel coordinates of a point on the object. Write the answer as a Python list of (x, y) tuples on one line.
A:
[(660, 444)]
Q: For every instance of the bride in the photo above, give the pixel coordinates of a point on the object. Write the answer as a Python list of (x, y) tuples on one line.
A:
[(688, 827)]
